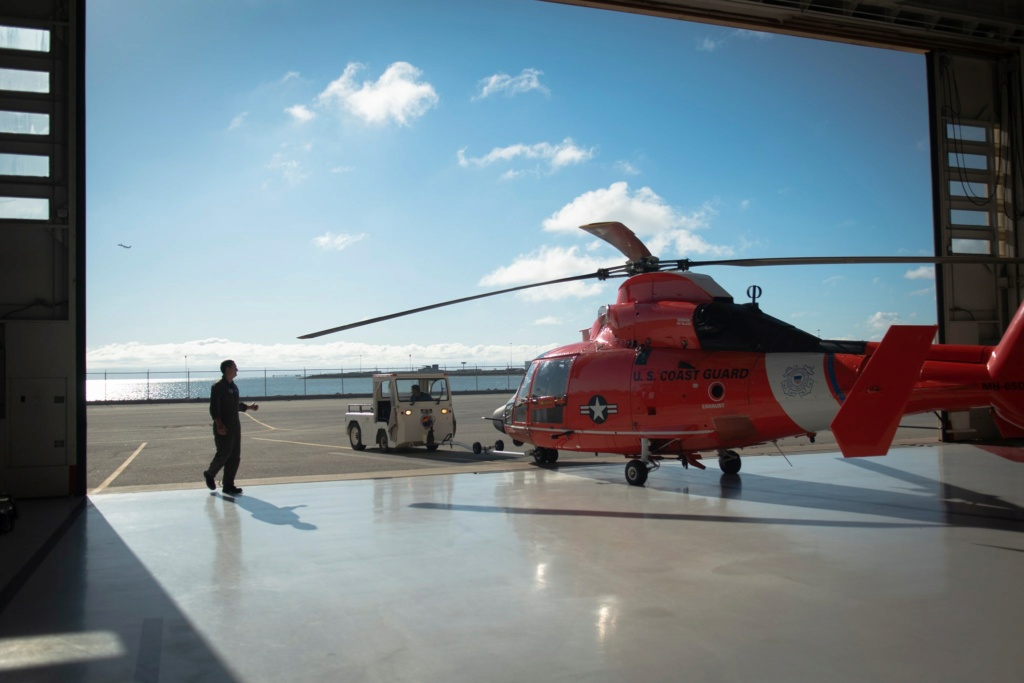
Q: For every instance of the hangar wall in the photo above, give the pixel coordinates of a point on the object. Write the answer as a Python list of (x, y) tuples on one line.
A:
[(42, 250), (977, 158)]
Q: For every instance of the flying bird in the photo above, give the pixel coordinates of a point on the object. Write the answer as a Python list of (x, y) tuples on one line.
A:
[(126, 246)]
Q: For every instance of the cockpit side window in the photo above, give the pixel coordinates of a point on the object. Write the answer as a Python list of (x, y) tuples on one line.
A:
[(523, 394)]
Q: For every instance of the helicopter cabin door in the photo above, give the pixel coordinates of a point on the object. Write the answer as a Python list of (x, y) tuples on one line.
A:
[(540, 402)]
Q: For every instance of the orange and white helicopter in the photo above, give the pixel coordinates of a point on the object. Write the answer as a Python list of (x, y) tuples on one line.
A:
[(675, 368)]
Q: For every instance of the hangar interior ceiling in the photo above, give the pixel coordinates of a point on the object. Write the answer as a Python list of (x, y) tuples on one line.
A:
[(976, 26), (973, 50)]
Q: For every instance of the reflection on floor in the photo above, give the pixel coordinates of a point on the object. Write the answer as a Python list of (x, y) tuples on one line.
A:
[(907, 567)]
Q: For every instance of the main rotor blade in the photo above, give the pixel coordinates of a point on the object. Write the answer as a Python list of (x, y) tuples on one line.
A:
[(620, 237), (852, 260), (611, 272)]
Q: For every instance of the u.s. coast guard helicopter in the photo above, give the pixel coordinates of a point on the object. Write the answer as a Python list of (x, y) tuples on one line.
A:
[(675, 367)]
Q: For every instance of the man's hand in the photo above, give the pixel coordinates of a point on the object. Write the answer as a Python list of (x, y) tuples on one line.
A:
[(253, 406), (221, 429)]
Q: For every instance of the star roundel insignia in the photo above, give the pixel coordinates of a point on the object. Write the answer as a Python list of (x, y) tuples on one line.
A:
[(599, 409)]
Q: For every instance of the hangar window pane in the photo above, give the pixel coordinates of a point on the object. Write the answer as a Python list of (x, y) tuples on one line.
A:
[(978, 219), (24, 123), (959, 131), (19, 38), (971, 247), (24, 208), (20, 80), (960, 188), (24, 165), (975, 162)]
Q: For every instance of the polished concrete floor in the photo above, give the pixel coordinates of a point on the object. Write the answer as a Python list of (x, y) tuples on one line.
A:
[(902, 568)]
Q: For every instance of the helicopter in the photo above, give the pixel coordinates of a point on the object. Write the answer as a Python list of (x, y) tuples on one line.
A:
[(676, 368)]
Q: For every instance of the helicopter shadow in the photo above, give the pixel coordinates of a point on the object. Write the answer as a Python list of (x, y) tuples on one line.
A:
[(927, 502), (268, 512), (451, 456)]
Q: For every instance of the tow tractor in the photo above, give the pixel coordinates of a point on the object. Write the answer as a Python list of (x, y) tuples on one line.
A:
[(397, 418)]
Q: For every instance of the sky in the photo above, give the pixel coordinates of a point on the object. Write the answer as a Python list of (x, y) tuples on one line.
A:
[(280, 167)]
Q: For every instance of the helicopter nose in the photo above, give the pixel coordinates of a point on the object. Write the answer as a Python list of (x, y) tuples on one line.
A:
[(498, 419)]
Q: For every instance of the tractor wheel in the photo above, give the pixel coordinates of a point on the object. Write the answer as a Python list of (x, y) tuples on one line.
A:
[(355, 437), (382, 441)]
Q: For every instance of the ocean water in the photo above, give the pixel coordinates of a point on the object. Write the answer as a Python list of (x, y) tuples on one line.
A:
[(164, 386)]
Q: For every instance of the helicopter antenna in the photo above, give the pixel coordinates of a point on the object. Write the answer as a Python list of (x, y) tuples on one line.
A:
[(754, 292)]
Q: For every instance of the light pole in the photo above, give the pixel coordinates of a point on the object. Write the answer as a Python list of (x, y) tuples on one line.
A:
[(410, 362), (463, 367)]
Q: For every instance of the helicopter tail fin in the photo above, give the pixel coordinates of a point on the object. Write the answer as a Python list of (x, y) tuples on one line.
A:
[(867, 420), (1006, 368)]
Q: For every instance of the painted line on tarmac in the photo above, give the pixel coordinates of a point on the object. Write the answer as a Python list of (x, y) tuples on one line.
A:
[(297, 443), (335, 447), (119, 470)]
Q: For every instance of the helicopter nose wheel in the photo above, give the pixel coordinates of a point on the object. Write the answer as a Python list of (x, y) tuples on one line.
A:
[(636, 473), (729, 461)]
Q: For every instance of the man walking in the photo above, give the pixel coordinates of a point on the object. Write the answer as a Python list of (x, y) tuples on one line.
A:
[(227, 429)]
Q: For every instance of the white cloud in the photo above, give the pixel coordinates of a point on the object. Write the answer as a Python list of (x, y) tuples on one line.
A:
[(398, 95), (744, 205), (662, 227), (747, 34), (290, 76), (547, 320), (342, 169), (881, 321), (711, 44), (238, 121), (835, 279), (549, 263), (708, 45), (300, 113), (566, 153), (627, 168), (923, 292), (507, 85), (921, 273), (331, 242), (289, 168), (666, 230)]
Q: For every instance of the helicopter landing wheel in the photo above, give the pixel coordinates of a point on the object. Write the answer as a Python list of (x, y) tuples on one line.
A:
[(544, 456), (636, 473), (382, 441), (730, 462), (499, 445)]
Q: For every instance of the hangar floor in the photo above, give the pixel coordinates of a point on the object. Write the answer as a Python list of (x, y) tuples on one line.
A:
[(901, 568)]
